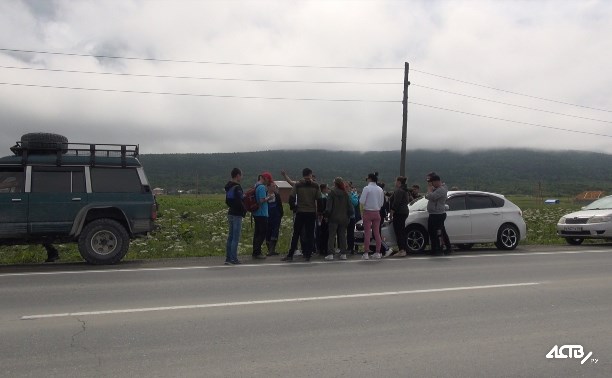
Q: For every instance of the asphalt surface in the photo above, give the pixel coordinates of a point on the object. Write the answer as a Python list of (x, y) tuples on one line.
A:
[(482, 313)]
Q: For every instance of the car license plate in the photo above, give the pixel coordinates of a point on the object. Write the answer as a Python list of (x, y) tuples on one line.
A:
[(573, 228)]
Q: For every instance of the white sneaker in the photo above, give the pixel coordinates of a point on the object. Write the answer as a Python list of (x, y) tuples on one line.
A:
[(365, 256), (329, 257), (297, 253), (388, 253), (343, 256), (377, 255), (401, 254)]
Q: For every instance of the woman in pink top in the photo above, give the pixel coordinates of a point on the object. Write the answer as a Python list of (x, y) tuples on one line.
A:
[(372, 199)]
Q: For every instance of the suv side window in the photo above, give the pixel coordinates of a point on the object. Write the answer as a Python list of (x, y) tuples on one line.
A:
[(476, 202), (115, 180), (58, 180), (456, 203), (11, 180)]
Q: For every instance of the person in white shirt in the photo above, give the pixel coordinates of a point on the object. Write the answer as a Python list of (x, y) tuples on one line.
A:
[(372, 199)]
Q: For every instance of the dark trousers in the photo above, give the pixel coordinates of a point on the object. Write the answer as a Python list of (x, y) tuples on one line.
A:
[(435, 225), (399, 227), (445, 237), (321, 237), (350, 235), (301, 238), (307, 222), (259, 234), (274, 222)]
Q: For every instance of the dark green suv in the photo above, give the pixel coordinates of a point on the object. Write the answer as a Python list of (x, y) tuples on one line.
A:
[(52, 191)]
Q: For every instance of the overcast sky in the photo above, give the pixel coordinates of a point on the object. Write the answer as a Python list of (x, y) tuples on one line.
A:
[(484, 74)]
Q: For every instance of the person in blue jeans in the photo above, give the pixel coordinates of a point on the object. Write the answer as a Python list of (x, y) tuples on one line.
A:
[(235, 214), (260, 216)]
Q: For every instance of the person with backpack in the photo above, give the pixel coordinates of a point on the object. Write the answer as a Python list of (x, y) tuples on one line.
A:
[(307, 193), (235, 214), (260, 216)]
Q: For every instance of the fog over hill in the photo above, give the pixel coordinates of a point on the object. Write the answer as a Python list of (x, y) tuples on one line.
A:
[(507, 171)]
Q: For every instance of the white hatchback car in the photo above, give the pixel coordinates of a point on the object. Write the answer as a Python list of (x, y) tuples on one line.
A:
[(594, 221), (472, 217)]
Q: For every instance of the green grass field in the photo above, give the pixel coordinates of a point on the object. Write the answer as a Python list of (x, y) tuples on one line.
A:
[(193, 226)]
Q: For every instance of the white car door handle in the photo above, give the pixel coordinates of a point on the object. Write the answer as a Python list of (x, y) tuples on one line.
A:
[(76, 199), (16, 200)]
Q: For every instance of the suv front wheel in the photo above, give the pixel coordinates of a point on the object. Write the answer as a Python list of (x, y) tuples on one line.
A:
[(103, 241)]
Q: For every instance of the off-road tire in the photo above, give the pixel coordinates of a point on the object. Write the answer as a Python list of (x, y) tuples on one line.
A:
[(44, 143), (103, 241)]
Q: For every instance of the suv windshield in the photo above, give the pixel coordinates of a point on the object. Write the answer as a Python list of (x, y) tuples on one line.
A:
[(602, 203)]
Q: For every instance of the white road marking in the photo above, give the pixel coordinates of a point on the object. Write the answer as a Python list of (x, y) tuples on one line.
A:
[(261, 265), (272, 301)]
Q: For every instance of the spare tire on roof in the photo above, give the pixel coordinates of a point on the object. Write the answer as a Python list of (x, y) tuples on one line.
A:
[(44, 143)]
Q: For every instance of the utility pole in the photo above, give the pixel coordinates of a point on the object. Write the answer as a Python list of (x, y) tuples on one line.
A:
[(404, 121)]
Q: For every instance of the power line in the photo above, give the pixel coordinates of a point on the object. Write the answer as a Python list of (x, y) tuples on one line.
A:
[(307, 99), (512, 121), (196, 77), (197, 95), (198, 61), (514, 105), (514, 93), (297, 82), (300, 66)]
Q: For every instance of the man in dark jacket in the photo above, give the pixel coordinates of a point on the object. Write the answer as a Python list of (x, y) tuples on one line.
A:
[(307, 193), (235, 213)]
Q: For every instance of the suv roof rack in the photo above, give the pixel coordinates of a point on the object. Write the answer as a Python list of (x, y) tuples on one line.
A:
[(91, 150)]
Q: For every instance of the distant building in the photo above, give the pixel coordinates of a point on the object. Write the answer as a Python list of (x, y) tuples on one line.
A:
[(157, 191), (284, 189)]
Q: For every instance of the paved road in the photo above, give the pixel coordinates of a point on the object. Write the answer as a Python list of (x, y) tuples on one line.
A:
[(476, 314)]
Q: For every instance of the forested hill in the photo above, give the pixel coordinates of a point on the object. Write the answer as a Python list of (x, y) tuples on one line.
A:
[(510, 171)]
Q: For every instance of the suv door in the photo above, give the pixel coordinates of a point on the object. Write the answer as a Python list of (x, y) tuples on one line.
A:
[(13, 203), (56, 196)]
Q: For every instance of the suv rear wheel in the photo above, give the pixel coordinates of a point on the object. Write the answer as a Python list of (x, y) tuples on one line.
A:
[(103, 241)]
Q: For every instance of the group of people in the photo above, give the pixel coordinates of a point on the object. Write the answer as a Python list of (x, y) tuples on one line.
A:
[(324, 218)]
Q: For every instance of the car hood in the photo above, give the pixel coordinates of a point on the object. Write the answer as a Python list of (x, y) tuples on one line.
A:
[(589, 213)]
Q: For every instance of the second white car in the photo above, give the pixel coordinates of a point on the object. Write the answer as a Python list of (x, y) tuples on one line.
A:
[(472, 217)]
